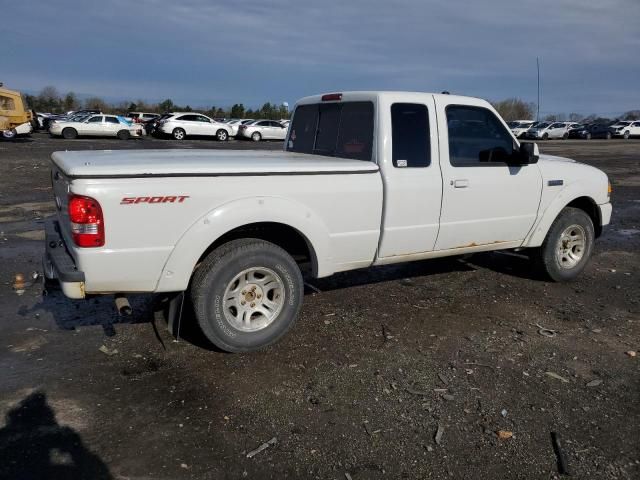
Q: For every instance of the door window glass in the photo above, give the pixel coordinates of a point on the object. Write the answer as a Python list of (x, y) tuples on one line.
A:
[(411, 145), (476, 137), (97, 119)]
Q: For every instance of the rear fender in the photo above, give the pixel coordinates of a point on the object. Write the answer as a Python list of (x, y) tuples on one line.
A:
[(178, 269)]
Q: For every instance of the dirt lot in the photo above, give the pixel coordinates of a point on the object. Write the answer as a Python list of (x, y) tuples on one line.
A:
[(379, 363)]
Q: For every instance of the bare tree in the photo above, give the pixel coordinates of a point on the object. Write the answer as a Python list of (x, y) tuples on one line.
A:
[(515, 109)]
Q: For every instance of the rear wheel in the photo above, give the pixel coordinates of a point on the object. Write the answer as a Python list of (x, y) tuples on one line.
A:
[(565, 136), (178, 133), (9, 134), (256, 137), (246, 295), (545, 136), (222, 135), (124, 135), (69, 133), (567, 246)]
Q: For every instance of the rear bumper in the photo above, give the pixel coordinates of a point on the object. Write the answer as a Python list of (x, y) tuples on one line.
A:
[(59, 265)]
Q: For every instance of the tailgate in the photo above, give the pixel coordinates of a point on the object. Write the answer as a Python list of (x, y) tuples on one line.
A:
[(61, 184)]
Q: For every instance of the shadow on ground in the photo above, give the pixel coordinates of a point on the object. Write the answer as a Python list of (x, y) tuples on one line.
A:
[(34, 446)]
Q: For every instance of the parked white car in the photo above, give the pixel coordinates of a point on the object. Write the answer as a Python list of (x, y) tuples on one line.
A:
[(625, 129), (519, 127), (96, 126), (263, 130), (235, 124), (186, 124), (366, 178), (548, 130)]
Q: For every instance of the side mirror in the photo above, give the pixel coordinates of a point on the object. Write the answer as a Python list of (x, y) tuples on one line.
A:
[(528, 153)]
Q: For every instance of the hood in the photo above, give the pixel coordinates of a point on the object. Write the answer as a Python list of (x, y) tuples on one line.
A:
[(187, 163)]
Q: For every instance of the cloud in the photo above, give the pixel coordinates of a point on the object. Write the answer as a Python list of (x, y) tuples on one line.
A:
[(202, 52)]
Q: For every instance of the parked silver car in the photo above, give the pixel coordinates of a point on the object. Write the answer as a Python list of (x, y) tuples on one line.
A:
[(263, 130)]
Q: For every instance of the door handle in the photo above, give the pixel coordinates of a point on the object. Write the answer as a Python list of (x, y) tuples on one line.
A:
[(462, 183)]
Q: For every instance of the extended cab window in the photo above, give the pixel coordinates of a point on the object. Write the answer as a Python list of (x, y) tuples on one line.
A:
[(7, 103), (342, 130), (411, 144), (476, 137)]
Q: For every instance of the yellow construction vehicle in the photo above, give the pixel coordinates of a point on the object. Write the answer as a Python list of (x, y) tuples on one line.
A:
[(13, 112)]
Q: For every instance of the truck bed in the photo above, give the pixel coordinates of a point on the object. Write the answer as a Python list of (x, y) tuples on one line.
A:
[(193, 163)]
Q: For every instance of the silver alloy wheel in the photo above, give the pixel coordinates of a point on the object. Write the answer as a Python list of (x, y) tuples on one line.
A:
[(178, 134), (253, 299), (626, 135), (571, 246), (222, 135), (256, 137)]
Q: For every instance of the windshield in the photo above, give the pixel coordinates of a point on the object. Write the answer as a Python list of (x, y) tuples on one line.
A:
[(342, 130)]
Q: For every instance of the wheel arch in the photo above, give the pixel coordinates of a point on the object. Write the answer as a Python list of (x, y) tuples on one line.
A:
[(568, 199), (284, 222)]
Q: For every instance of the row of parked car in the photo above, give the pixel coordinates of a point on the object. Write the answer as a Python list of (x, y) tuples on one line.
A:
[(549, 130), (178, 125)]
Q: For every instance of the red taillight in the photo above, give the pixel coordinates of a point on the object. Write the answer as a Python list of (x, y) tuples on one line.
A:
[(331, 96), (87, 222)]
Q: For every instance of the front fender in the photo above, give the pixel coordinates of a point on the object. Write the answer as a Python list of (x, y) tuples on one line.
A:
[(546, 218), (227, 217)]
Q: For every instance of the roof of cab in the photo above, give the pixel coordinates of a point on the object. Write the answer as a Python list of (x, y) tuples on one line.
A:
[(376, 94)]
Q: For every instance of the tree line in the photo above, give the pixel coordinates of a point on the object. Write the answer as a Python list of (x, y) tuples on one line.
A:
[(517, 109), (49, 100)]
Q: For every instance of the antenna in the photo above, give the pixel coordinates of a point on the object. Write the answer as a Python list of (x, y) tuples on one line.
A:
[(538, 110)]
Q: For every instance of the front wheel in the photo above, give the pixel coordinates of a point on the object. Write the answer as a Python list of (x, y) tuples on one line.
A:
[(565, 136), (567, 246), (608, 135), (545, 136), (246, 295), (222, 135), (256, 137), (626, 135), (69, 133), (588, 137)]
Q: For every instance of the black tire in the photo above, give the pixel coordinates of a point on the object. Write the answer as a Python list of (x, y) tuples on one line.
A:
[(626, 135), (545, 136), (9, 134), (178, 134), (565, 136), (256, 136), (608, 136), (124, 135), (546, 257), (69, 133), (218, 271), (222, 135)]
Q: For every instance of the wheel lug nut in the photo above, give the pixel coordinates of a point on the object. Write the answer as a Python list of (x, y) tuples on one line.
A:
[(244, 292), (253, 305), (242, 302), (259, 296)]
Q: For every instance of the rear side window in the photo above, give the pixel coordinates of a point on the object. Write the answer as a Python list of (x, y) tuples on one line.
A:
[(95, 119), (342, 130), (411, 144), (476, 137), (112, 120)]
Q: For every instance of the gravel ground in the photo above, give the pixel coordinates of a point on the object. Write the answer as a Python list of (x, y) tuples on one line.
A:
[(434, 369)]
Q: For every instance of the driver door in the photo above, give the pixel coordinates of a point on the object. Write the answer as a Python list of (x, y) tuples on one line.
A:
[(484, 200)]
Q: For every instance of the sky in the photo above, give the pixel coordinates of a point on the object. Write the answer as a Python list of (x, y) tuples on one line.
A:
[(208, 52)]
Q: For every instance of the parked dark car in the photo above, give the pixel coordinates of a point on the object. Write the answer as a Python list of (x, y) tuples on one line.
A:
[(150, 125), (594, 130), (575, 131)]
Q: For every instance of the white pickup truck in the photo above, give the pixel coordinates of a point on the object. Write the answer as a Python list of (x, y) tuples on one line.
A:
[(365, 178)]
